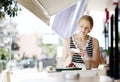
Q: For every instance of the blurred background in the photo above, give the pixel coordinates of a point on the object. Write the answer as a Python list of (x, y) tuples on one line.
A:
[(36, 31)]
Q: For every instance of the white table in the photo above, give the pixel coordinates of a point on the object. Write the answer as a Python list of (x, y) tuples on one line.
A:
[(34, 76)]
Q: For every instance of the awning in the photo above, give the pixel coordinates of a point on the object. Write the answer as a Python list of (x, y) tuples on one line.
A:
[(44, 9), (65, 22), (67, 12)]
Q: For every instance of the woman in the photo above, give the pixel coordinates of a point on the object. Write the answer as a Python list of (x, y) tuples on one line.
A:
[(87, 46)]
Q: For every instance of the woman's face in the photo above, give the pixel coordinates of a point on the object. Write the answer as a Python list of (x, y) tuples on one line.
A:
[(84, 26)]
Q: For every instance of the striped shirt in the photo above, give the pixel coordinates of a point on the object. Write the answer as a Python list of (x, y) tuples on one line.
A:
[(76, 57)]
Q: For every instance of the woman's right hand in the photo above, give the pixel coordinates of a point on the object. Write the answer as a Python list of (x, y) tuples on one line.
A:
[(83, 54)]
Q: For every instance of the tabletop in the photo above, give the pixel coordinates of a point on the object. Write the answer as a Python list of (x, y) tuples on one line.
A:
[(64, 76)]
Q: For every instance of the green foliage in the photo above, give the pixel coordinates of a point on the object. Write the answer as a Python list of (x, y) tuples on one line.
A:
[(50, 49), (2, 65), (9, 7), (4, 54), (108, 52)]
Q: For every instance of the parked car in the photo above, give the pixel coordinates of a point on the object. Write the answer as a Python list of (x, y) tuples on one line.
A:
[(28, 63)]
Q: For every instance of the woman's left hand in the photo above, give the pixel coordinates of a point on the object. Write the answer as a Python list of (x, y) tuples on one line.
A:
[(83, 54)]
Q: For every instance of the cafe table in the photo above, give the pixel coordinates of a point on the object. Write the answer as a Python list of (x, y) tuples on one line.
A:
[(53, 76)]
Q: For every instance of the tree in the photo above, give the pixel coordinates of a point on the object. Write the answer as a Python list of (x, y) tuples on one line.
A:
[(9, 7)]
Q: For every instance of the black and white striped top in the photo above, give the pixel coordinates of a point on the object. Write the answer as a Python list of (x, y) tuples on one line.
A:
[(77, 58)]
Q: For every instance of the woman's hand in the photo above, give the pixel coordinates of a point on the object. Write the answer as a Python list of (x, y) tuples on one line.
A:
[(71, 52), (83, 53), (71, 65)]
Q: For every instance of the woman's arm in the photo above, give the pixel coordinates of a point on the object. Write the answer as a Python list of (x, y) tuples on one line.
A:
[(66, 56), (96, 54)]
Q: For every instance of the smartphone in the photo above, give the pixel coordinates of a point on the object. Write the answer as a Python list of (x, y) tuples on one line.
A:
[(75, 50)]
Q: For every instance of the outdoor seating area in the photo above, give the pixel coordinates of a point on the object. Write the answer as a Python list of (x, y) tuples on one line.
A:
[(59, 40)]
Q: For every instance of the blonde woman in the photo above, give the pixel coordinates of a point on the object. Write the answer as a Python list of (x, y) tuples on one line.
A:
[(81, 47)]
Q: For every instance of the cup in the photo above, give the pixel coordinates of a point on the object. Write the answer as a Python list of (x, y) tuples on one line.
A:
[(87, 60), (88, 63)]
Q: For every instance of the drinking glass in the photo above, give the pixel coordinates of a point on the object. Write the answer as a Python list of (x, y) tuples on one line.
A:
[(88, 63)]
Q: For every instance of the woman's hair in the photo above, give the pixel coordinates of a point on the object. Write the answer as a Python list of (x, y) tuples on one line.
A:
[(88, 18)]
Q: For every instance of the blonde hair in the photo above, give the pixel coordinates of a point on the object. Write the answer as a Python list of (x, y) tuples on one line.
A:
[(88, 18)]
